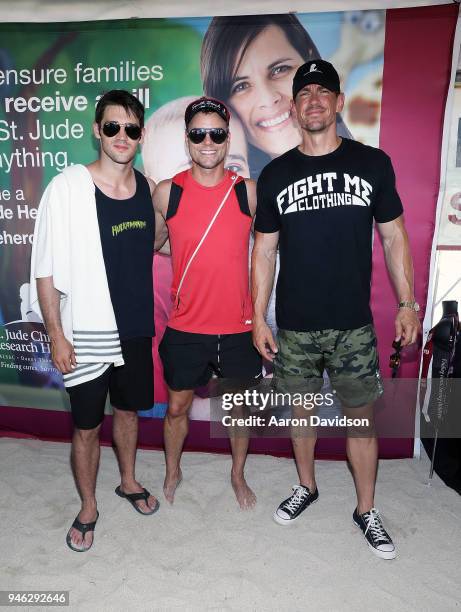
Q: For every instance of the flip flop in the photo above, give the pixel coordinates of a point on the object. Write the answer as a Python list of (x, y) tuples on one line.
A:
[(134, 497), (83, 528)]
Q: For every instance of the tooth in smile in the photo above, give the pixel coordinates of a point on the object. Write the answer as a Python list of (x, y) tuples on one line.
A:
[(275, 121)]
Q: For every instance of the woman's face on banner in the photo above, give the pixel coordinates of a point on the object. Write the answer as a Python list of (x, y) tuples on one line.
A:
[(261, 92)]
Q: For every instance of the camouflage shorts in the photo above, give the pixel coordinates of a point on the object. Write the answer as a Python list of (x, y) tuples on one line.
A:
[(349, 357)]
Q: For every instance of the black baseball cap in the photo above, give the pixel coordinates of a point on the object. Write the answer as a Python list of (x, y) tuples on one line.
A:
[(206, 105), (318, 72)]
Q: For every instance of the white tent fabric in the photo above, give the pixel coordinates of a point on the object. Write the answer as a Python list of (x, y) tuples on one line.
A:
[(78, 10)]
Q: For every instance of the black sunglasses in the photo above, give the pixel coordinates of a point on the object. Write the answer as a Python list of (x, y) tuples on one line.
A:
[(111, 128), (394, 359), (198, 135)]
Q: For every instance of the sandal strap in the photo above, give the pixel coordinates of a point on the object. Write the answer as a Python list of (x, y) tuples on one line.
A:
[(138, 496), (85, 527)]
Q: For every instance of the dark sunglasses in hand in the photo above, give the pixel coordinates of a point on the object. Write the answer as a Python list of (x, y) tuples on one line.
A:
[(198, 135), (394, 359), (112, 128)]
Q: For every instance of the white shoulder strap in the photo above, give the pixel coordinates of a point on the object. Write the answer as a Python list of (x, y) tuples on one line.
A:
[(202, 240)]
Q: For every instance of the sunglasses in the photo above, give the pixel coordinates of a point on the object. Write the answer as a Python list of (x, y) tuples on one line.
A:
[(111, 128), (198, 135), (394, 359)]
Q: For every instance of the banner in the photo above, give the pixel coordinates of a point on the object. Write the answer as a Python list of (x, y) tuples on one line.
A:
[(449, 235), (51, 76)]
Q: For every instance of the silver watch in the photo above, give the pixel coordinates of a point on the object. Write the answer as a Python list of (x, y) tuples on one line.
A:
[(412, 305)]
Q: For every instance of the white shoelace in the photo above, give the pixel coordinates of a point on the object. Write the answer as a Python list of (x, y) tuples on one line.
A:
[(374, 524), (299, 495)]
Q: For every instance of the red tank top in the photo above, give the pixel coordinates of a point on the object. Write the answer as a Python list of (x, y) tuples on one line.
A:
[(215, 296)]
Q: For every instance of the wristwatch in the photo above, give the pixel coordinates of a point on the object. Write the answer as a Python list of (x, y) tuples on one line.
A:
[(412, 305)]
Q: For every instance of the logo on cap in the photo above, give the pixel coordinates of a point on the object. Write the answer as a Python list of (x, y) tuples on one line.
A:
[(313, 68), (206, 105)]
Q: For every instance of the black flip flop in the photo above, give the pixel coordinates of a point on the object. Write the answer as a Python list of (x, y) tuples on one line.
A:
[(83, 528), (134, 497)]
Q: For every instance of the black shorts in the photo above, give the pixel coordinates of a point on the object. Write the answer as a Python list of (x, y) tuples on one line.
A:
[(130, 386), (189, 360)]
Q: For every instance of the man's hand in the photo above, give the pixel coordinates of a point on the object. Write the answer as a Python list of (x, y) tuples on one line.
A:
[(263, 340), (407, 326), (62, 354), (62, 351)]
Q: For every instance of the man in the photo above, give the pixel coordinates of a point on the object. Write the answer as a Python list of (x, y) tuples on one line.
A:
[(92, 263), (209, 212), (164, 155), (320, 199), (163, 151)]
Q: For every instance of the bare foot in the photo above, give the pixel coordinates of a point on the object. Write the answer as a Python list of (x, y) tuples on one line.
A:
[(135, 487), (245, 496), (83, 542), (171, 483)]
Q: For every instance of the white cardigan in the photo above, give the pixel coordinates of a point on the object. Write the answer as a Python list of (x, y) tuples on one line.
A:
[(67, 246)]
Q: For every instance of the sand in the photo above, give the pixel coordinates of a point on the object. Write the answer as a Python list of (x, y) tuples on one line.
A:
[(206, 554)]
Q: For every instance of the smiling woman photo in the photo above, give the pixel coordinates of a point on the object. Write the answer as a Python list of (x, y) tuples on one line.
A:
[(249, 62)]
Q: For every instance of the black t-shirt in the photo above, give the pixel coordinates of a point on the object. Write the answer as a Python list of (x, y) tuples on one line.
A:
[(324, 206), (127, 229)]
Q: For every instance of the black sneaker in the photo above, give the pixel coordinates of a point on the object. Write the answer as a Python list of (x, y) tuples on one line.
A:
[(376, 536), (290, 509)]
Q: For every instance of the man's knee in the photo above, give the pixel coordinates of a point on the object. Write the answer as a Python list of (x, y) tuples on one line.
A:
[(179, 403), (361, 423), (177, 410), (301, 425), (86, 436)]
